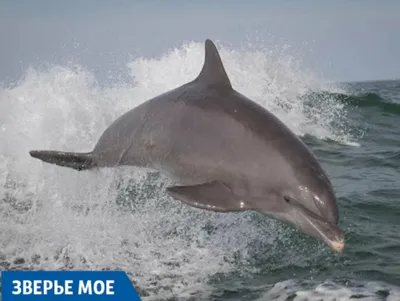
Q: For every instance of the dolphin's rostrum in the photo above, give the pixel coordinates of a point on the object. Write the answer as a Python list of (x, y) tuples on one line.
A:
[(226, 153)]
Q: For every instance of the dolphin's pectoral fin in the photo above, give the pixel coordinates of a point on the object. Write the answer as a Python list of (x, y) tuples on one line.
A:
[(213, 196)]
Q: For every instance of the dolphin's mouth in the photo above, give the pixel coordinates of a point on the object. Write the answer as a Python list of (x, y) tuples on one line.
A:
[(337, 246), (315, 225), (337, 242)]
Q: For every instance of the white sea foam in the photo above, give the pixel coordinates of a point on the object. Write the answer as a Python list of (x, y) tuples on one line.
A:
[(331, 291)]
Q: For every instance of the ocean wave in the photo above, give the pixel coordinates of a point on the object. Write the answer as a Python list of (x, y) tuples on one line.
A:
[(361, 100), (331, 290)]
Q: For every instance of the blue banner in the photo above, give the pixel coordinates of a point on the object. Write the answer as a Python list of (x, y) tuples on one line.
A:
[(67, 285)]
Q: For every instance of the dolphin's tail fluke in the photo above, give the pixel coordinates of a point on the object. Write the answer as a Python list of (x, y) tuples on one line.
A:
[(78, 161)]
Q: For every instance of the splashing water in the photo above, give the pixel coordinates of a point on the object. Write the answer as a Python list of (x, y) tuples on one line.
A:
[(57, 218)]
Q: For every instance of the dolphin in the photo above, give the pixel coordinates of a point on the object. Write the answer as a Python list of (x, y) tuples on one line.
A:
[(224, 152)]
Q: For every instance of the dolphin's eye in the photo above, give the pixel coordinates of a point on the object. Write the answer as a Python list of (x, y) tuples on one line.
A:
[(287, 199)]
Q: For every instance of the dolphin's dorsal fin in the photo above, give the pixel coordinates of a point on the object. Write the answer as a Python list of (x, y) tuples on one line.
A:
[(213, 72)]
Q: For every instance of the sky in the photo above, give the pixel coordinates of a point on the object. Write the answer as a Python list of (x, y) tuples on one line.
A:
[(344, 40)]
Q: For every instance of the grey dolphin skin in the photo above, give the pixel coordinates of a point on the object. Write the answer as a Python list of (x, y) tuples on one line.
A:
[(225, 152)]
